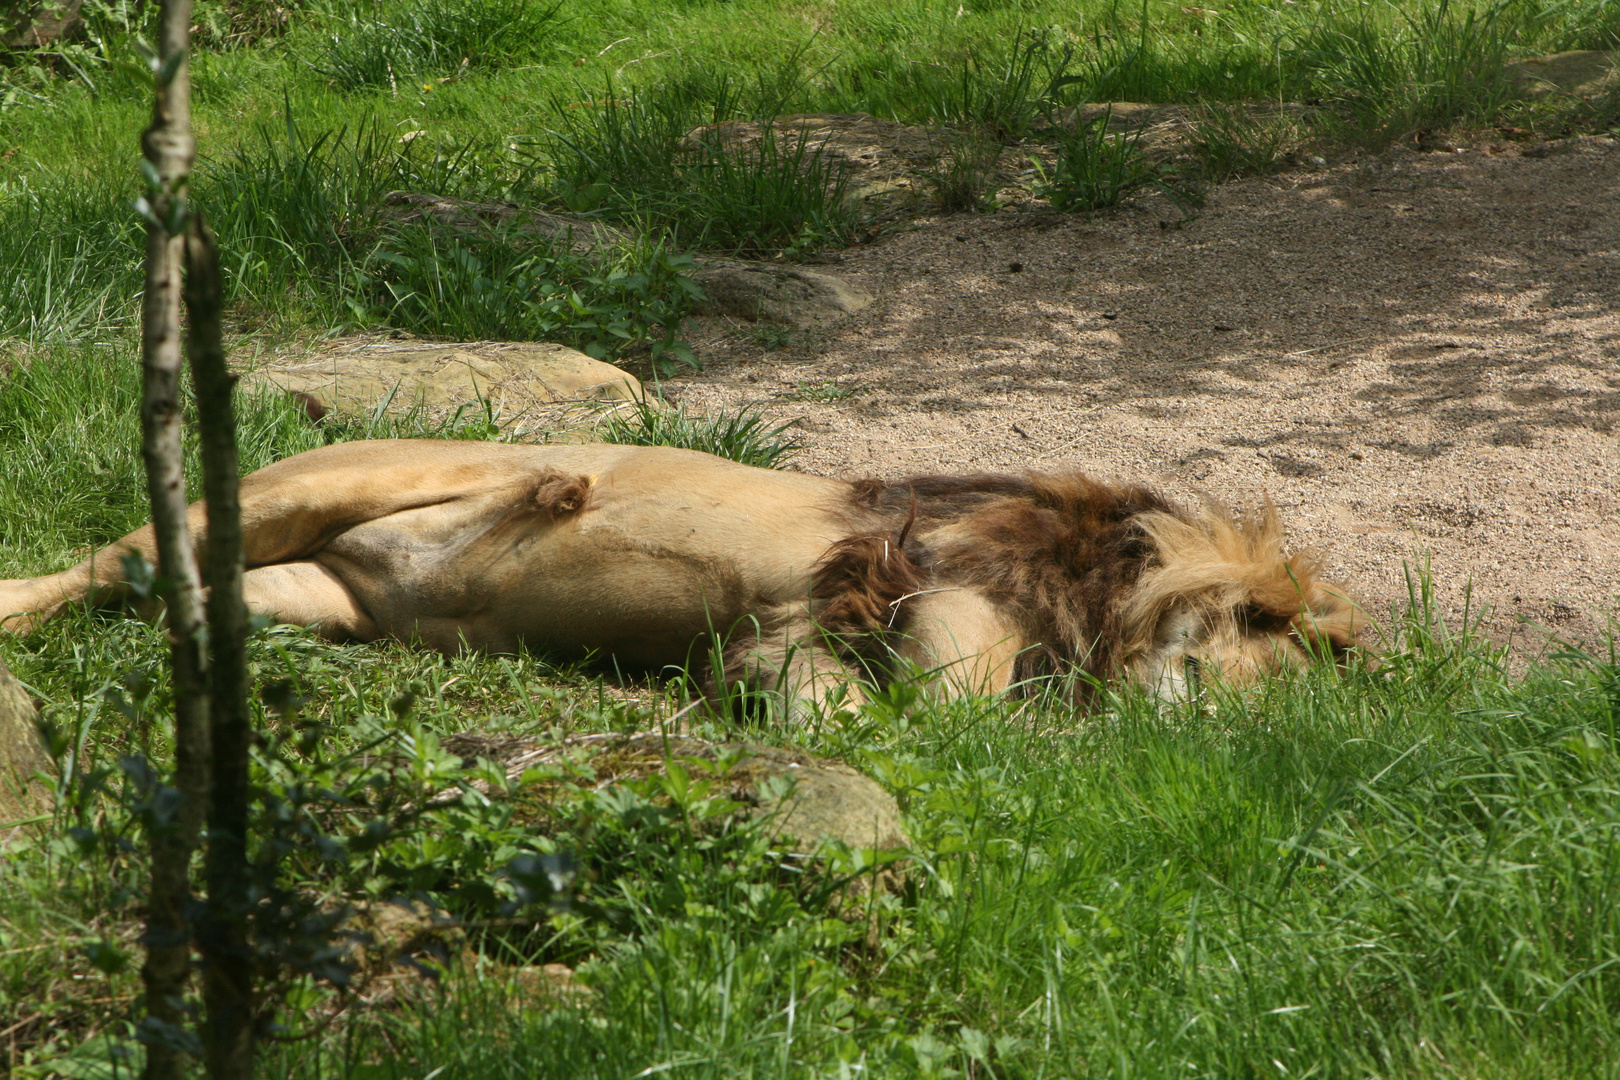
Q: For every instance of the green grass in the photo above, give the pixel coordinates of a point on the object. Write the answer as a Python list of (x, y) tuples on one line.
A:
[(1405, 873), (637, 156), (587, 109), (1095, 168), (369, 48), (745, 436)]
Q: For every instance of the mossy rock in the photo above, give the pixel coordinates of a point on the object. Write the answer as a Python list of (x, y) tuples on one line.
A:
[(22, 755), (828, 800)]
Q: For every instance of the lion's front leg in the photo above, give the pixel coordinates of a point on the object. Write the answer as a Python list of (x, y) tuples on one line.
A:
[(786, 655), (961, 641)]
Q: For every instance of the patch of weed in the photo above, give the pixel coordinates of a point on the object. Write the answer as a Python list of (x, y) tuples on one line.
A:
[(963, 177), (825, 393), (1433, 65), (384, 45), (771, 336), (503, 284), (1096, 168), (294, 209), (1004, 90), (76, 261), (670, 155), (744, 435), (1231, 141)]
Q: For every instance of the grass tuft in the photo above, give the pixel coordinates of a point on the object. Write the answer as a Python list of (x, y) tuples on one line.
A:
[(381, 46), (963, 179), (1096, 168), (670, 156), (1429, 66), (1232, 141), (744, 436), (501, 284)]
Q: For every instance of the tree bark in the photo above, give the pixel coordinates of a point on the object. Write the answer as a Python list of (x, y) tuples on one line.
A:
[(227, 959), (169, 152)]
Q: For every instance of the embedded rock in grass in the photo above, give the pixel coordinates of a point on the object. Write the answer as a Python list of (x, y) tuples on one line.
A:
[(528, 387), (38, 26), (22, 754), (398, 933), (882, 157), (827, 801), (582, 236), (781, 294), (1122, 115), (735, 287), (1581, 73)]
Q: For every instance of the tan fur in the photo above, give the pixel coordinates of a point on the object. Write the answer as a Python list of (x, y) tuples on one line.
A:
[(1261, 608), (647, 555)]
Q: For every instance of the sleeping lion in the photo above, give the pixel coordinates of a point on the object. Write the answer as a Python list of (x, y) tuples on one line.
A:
[(978, 584)]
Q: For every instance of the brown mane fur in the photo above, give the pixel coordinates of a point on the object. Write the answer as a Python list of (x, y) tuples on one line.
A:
[(1085, 569)]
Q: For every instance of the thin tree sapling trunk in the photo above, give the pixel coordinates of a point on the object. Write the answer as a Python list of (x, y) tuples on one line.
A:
[(227, 960), (169, 151)]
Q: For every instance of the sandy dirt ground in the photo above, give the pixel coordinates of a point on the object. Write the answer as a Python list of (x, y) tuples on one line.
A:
[(1416, 356)]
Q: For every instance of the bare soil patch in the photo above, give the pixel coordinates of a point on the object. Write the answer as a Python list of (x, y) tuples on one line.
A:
[(1415, 355)]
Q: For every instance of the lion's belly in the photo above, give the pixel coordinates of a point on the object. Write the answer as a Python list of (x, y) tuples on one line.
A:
[(652, 565)]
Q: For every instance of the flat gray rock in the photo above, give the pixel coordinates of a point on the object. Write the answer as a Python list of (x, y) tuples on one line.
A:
[(1580, 72), (789, 295), (529, 386)]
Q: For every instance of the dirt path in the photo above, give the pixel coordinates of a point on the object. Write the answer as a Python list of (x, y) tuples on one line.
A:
[(1417, 356)]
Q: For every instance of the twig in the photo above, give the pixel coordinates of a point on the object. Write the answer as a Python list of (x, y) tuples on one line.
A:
[(894, 605), (639, 59)]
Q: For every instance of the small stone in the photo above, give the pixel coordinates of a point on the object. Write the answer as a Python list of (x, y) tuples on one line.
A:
[(780, 294)]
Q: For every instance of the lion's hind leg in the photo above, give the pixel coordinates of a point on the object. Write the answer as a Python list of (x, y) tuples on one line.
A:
[(308, 594), (25, 603)]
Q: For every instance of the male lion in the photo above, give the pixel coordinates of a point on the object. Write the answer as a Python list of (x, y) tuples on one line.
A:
[(987, 583)]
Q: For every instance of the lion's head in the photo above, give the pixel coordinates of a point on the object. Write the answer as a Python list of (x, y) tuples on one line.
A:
[(1221, 597)]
